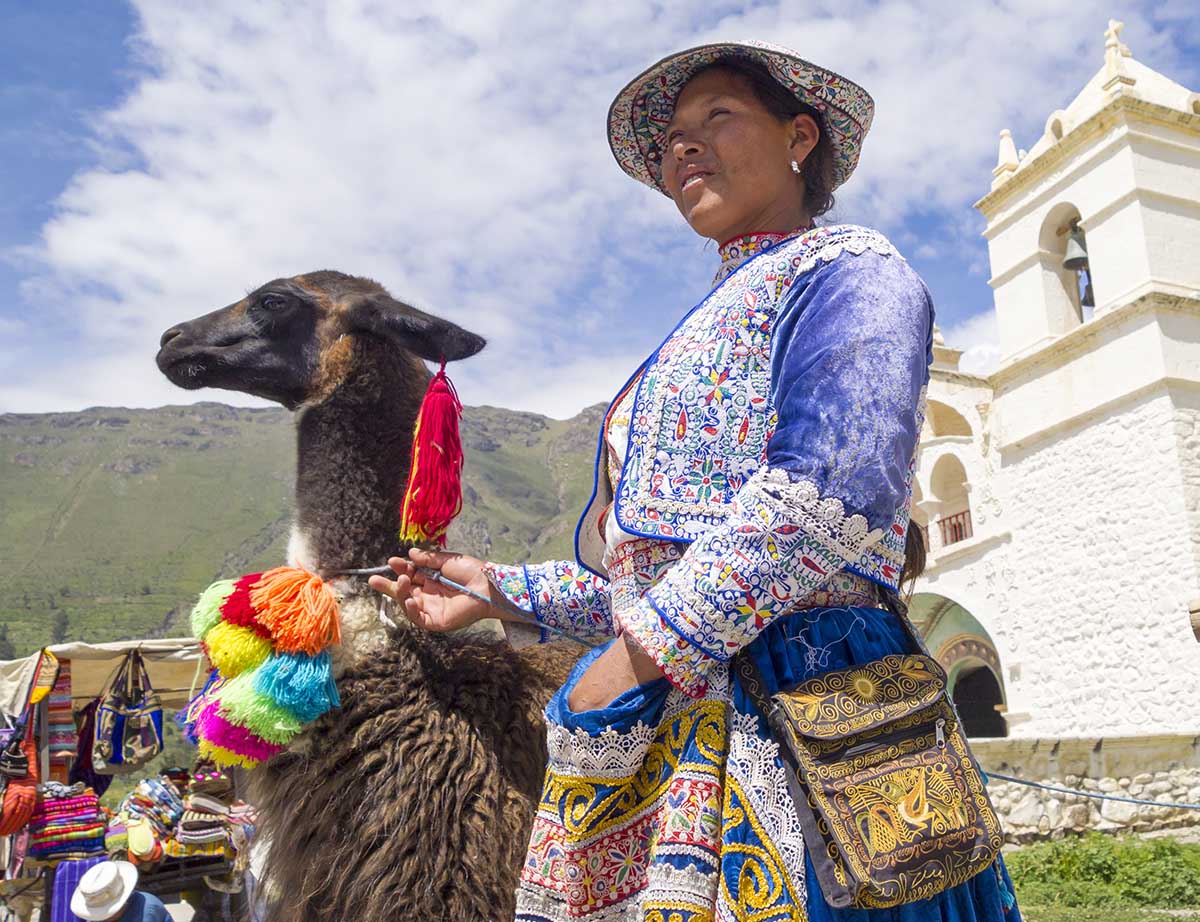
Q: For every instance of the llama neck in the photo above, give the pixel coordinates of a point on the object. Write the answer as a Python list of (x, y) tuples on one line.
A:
[(353, 459)]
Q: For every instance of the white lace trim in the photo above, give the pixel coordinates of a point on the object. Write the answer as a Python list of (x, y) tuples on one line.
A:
[(801, 502), (609, 754), (754, 762), (612, 754), (849, 238), (665, 884)]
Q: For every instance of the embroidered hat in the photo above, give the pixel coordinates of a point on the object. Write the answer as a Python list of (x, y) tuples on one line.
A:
[(638, 117)]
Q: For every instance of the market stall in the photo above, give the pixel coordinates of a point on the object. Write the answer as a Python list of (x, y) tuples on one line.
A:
[(184, 828)]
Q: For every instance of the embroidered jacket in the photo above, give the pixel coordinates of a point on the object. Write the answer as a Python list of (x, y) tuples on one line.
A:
[(773, 437)]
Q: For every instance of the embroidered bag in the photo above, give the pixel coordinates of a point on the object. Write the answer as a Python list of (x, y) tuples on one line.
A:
[(892, 805), (13, 761), (128, 720)]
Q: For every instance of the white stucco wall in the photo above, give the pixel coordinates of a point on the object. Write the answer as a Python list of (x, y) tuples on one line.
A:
[(1103, 564), (1083, 465)]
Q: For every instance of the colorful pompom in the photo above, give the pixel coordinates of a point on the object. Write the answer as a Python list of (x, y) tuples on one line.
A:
[(234, 650), (208, 607), (225, 758), (241, 704), (237, 608), (299, 610), (302, 684), (218, 731)]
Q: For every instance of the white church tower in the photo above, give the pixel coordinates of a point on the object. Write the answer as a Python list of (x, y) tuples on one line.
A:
[(1061, 494)]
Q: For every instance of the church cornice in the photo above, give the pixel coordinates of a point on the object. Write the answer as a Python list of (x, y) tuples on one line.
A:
[(1063, 349), (1118, 110)]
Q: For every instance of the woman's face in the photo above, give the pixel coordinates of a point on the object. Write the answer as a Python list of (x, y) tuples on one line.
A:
[(727, 163)]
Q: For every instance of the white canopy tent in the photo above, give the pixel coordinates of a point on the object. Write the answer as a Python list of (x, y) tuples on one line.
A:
[(174, 664)]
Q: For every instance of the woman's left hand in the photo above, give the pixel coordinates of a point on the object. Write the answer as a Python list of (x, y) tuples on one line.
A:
[(619, 668)]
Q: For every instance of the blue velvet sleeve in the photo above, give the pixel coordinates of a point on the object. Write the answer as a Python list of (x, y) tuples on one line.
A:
[(850, 354), (851, 358)]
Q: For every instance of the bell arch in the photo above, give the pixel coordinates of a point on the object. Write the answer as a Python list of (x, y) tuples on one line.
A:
[(1064, 287), (963, 647)]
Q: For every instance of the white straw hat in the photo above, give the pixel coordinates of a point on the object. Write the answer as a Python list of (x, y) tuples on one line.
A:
[(104, 890)]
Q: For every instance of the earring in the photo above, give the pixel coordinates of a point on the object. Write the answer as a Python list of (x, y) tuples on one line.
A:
[(795, 167)]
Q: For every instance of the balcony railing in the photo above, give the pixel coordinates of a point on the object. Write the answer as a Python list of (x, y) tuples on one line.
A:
[(955, 527)]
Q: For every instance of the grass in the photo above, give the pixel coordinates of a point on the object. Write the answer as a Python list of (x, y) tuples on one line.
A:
[(1100, 877), (1074, 914)]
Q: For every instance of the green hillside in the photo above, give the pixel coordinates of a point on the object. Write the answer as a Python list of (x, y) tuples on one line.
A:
[(112, 520)]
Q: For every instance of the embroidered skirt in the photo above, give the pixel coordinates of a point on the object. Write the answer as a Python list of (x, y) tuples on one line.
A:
[(663, 808)]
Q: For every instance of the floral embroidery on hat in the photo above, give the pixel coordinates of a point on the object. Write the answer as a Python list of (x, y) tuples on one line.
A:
[(638, 117)]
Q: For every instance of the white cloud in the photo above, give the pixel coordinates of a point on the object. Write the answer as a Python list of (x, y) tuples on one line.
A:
[(456, 152), (979, 338)]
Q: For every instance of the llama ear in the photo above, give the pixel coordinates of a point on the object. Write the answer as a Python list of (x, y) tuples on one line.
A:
[(423, 334)]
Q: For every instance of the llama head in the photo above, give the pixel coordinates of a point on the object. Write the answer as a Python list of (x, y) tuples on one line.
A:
[(292, 340)]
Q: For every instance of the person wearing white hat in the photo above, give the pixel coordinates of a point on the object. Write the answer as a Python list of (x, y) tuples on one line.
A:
[(108, 893), (748, 531)]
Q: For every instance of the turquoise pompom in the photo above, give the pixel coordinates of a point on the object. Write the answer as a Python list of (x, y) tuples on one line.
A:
[(303, 684)]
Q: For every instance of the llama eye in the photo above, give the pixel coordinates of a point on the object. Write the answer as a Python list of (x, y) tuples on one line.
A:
[(273, 302)]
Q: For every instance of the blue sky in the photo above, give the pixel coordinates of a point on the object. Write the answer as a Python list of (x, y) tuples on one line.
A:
[(159, 158)]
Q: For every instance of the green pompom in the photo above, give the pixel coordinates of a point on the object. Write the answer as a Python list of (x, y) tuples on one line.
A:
[(243, 705), (207, 612)]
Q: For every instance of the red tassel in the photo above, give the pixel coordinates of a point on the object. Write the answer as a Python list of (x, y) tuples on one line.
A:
[(434, 493)]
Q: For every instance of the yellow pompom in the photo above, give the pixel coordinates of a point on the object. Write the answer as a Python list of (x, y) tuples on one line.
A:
[(225, 758), (234, 650)]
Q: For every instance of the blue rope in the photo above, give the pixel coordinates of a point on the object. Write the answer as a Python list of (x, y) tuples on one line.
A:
[(1093, 794)]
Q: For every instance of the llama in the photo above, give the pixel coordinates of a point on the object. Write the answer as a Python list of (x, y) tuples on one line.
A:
[(415, 798)]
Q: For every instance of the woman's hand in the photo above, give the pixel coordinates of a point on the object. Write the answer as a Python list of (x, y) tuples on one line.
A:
[(618, 669), (429, 604)]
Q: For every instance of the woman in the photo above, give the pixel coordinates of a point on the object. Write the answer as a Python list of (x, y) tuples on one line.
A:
[(752, 492)]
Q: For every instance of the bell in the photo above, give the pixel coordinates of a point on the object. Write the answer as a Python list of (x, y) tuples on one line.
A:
[(1076, 257)]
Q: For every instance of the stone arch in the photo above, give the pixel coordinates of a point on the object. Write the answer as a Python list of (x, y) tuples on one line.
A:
[(963, 647), (948, 487), (1062, 286), (943, 419)]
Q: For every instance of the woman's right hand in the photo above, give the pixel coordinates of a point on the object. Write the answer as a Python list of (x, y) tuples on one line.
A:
[(429, 604)]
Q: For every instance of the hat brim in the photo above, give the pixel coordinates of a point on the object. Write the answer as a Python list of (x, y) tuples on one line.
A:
[(639, 114), (99, 913)]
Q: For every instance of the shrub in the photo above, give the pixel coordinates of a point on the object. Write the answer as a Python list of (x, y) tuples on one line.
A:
[(1099, 871)]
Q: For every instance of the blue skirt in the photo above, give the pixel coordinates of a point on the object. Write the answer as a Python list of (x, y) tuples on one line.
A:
[(788, 652)]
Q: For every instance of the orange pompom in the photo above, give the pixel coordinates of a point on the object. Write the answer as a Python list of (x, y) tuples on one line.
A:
[(298, 609)]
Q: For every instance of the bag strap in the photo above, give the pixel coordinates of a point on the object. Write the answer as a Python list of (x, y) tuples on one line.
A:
[(133, 680), (115, 686), (144, 674)]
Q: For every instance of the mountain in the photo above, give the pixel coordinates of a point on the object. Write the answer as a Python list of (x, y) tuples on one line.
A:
[(113, 520)]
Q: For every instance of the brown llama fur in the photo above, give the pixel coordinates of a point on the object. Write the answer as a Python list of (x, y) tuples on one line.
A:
[(414, 800)]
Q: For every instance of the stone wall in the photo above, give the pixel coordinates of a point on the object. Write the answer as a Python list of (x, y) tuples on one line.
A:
[(1164, 768)]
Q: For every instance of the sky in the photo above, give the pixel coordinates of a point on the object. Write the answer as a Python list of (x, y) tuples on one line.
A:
[(160, 158)]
